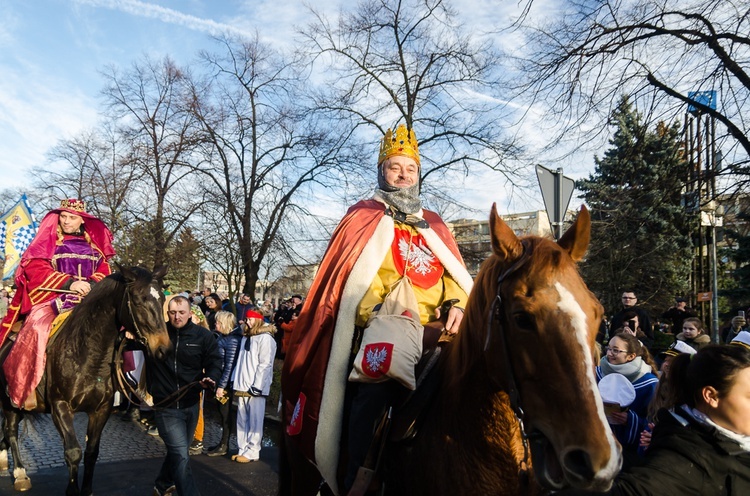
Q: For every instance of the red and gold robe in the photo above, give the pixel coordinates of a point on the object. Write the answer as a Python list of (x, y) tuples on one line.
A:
[(49, 263)]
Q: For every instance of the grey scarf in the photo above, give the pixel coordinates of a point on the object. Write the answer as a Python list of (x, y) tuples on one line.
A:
[(633, 370), (405, 200)]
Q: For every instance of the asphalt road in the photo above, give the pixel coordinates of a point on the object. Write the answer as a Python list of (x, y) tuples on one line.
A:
[(130, 460)]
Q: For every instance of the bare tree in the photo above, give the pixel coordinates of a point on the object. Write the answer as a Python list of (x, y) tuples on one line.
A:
[(149, 104), (263, 149), (410, 61), (659, 52), (97, 170), (219, 244)]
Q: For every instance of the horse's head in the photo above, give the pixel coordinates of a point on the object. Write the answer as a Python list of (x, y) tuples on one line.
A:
[(539, 346), (143, 303)]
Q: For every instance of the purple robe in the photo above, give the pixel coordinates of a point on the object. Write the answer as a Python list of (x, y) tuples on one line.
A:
[(78, 259)]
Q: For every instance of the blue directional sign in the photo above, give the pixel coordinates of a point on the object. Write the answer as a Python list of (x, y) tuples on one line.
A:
[(707, 98)]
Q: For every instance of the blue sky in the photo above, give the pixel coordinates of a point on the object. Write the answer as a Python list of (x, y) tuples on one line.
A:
[(52, 52)]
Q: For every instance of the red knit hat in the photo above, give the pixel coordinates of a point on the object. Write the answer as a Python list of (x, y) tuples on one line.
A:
[(252, 314)]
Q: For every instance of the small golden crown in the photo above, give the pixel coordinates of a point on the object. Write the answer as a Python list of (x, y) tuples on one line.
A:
[(73, 204), (402, 142)]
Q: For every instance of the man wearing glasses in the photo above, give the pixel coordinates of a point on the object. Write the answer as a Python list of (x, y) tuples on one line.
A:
[(629, 302)]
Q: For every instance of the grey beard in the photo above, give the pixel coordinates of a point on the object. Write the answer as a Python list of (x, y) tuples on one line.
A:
[(405, 200)]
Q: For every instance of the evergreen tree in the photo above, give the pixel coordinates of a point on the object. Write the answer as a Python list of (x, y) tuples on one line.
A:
[(640, 233), (184, 261), (734, 264), (137, 246)]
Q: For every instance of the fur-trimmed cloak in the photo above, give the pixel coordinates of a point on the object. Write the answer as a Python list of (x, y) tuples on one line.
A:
[(315, 370)]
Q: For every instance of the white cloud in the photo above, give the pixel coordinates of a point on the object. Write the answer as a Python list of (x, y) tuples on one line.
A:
[(36, 111), (167, 15)]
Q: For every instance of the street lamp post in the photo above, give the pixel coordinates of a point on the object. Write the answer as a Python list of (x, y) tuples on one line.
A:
[(715, 280), (716, 220)]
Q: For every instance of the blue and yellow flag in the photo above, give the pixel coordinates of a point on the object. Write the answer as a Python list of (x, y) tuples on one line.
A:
[(17, 228)]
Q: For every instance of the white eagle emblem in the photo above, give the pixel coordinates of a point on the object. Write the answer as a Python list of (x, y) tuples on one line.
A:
[(375, 358), (295, 413), (417, 256)]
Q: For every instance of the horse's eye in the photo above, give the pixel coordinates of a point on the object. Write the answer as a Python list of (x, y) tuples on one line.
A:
[(524, 321)]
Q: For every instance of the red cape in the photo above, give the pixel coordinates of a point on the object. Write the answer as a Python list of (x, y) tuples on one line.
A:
[(307, 359)]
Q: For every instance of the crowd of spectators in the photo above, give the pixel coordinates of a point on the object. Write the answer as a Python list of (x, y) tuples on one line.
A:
[(247, 336), (665, 387)]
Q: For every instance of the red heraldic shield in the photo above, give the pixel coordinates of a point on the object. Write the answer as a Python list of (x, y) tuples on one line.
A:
[(414, 259), (376, 359), (295, 423)]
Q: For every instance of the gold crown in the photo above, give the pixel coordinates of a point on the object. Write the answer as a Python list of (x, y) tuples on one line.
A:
[(73, 204), (402, 142)]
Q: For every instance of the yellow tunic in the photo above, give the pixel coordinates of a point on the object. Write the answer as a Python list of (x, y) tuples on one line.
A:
[(409, 255)]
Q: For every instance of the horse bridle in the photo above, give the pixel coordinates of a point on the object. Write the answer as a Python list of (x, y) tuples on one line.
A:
[(124, 385), (498, 316), (140, 336)]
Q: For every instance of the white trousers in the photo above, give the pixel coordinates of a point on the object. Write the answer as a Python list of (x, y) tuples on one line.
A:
[(250, 414)]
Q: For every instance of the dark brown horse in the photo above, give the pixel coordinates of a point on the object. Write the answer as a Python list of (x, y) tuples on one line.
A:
[(525, 349), (78, 372)]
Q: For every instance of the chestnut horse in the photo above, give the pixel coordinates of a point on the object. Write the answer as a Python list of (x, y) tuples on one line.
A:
[(79, 367), (517, 379)]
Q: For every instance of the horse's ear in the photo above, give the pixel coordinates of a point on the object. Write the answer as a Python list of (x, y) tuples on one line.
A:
[(160, 272), (505, 243), (576, 239), (126, 272)]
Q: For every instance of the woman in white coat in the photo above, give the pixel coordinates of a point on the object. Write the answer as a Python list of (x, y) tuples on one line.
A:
[(252, 377)]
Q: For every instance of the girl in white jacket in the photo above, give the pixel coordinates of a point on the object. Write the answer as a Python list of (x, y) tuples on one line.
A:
[(252, 376)]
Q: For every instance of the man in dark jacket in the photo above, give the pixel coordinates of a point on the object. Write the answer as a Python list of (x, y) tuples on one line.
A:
[(630, 302), (194, 360), (678, 313), (244, 303)]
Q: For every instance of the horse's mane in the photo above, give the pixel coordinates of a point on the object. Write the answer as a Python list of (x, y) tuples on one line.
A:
[(110, 283), (547, 260), (91, 309)]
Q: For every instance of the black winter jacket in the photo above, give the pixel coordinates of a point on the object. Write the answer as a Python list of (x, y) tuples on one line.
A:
[(194, 355), (685, 458)]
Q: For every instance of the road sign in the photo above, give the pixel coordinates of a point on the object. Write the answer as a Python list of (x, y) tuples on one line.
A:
[(704, 296), (707, 98), (556, 192)]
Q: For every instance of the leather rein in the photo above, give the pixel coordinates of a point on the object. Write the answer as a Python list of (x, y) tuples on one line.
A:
[(499, 317)]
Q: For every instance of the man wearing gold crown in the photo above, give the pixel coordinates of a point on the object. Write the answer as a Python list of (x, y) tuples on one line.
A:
[(69, 254), (377, 243)]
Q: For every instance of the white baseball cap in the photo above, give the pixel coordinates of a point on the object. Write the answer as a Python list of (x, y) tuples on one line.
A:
[(616, 388)]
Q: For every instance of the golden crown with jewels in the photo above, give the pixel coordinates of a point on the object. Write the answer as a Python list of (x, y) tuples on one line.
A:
[(73, 204), (402, 142)]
